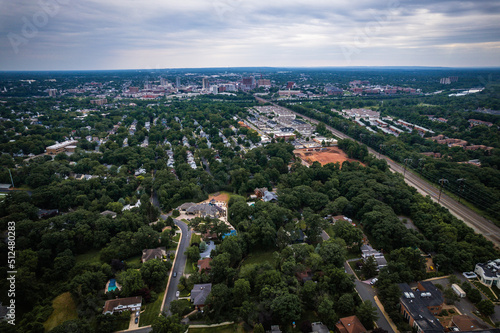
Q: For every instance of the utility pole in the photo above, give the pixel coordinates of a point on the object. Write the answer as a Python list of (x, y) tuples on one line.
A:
[(380, 150), (406, 162), (441, 181), (461, 185)]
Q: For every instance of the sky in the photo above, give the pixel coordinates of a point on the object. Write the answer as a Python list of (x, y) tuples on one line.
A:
[(155, 34)]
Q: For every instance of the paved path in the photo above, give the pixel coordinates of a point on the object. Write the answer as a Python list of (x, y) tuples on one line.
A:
[(367, 292), (179, 264)]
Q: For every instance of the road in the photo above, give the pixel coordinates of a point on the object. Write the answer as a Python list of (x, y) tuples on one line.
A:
[(366, 292), (179, 264), (480, 224)]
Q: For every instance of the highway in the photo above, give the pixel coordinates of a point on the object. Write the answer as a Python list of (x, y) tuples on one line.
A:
[(477, 222)]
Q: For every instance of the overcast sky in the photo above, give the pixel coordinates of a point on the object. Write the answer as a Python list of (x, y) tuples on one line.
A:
[(154, 34)]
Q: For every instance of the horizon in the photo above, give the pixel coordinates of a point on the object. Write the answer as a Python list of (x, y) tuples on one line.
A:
[(50, 35)]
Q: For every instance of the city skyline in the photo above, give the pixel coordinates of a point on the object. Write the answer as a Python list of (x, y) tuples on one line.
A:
[(58, 35)]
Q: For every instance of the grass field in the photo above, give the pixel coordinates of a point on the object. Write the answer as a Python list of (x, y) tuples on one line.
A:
[(259, 257), (134, 262), (190, 267), (485, 290), (64, 309), (195, 239), (152, 311), (89, 257), (231, 328)]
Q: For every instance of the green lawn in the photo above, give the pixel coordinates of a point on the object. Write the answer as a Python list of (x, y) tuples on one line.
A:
[(123, 323), (176, 238), (151, 312), (89, 257), (190, 267), (64, 309), (231, 328), (485, 290), (195, 239), (259, 257), (134, 262)]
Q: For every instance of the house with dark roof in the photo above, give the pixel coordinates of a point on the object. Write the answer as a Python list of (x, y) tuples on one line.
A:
[(158, 253), (350, 325), (319, 327), (122, 304), (199, 294), (420, 306), (367, 251), (270, 197), (489, 272), (205, 209), (185, 206)]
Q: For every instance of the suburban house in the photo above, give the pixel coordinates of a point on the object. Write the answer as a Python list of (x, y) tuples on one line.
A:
[(420, 306), (270, 197), (305, 275), (350, 325), (185, 206), (368, 251), (204, 264), (122, 304), (319, 327), (158, 253), (199, 294), (489, 272), (205, 209)]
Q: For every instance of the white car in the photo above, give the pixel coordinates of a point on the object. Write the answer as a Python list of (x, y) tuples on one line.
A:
[(177, 293), (373, 281)]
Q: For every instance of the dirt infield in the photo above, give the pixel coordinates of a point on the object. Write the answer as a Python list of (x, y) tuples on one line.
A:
[(322, 155)]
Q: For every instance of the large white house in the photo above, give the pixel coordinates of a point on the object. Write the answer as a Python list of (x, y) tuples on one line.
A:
[(489, 272), (122, 304)]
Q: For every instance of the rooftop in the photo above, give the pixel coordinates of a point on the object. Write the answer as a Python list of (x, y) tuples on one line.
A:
[(417, 303)]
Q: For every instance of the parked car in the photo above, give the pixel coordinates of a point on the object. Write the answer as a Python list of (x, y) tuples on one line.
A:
[(137, 313), (175, 274), (177, 293), (373, 281), (136, 320)]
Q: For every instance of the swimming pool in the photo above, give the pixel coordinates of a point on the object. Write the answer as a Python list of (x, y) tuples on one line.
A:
[(112, 285)]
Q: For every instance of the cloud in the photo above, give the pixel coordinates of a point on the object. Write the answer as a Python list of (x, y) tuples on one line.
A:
[(198, 33)]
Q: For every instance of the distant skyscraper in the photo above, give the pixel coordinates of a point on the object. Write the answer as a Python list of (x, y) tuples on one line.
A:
[(163, 81), (178, 81), (205, 83), (52, 92)]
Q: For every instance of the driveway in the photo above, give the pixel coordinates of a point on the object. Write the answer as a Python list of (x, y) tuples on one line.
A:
[(367, 292)]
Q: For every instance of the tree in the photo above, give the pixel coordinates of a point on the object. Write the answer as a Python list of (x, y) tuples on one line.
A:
[(180, 307), (347, 232), (332, 253), (326, 312), (258, 328), (171, 324), (154, 272), (131, 281), (345, 304), (474, 295), (193, 253), (367, 314), (287, 308), (241, 290), (369, 268), (486, 307)]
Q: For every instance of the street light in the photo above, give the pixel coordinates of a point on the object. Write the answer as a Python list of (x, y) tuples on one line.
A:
[(441, 181)]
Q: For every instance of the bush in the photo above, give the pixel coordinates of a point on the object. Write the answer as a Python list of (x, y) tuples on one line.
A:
[(444, 313), (175, 213)]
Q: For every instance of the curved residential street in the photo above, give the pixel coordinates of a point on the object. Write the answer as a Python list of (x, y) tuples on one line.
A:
[(477, 222)]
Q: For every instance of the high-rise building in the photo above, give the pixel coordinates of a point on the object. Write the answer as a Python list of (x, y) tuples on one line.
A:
[(52, 92), (205, 83), (163, 81), (178, 81)]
